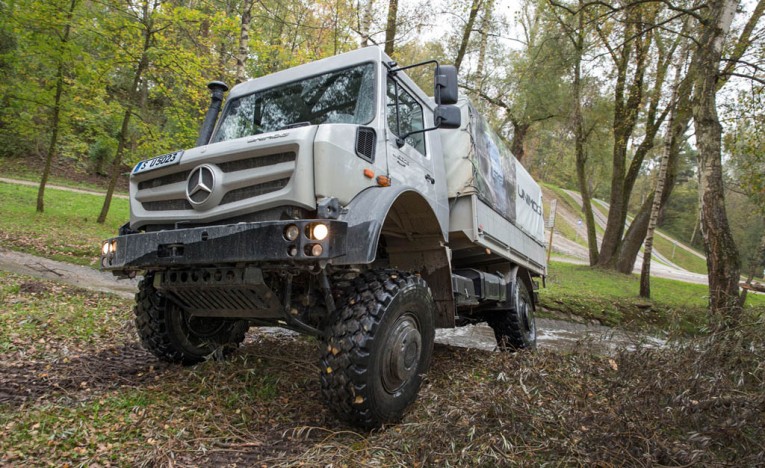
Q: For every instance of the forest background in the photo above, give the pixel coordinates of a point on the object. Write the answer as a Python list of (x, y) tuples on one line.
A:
[(617, 100)]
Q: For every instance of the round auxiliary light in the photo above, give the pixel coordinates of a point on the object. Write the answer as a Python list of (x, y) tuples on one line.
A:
[(320, 231), (316, 250), (105, 248), (291, 232)]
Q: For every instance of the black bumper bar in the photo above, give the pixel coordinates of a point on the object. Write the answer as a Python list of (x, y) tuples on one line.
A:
[(228, 244)]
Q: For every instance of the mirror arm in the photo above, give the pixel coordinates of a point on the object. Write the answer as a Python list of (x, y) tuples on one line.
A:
[(401, 140), (393, 71)]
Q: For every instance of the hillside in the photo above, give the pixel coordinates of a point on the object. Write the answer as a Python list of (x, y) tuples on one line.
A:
[(671, 258)]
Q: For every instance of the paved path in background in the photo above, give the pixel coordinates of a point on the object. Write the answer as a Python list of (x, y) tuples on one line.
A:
[(59, 187), (662, 268)]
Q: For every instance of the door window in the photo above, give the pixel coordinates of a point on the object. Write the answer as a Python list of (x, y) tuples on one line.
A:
[(405, 115)]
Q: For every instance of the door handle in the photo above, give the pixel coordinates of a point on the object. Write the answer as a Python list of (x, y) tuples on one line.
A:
[(430, 179)]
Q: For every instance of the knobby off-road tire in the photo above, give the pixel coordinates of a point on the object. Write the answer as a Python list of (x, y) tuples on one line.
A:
[(173, 335), (515, 327), (379, 347)]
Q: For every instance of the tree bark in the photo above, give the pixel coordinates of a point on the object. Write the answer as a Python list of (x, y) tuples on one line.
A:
[(633, 238), (390, 27), (56, 117), (580, 137), (645, 271), (366, 22), (244, 42), (520, 129), (474, 7), (722, 255), (628, 97), (485, 23)]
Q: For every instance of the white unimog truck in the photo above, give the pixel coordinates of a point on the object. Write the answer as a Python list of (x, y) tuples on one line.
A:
[(337, 199)]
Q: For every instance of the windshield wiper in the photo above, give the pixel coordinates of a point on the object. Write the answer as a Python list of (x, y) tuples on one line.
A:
[(295, 125)]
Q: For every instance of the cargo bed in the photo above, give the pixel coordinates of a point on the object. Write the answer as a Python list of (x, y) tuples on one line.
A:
[(478, 235)]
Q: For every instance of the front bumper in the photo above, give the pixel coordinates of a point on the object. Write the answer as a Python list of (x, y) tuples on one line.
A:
[(227, 244)]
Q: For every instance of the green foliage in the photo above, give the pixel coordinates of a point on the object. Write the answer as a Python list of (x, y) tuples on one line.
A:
[(66, 231)]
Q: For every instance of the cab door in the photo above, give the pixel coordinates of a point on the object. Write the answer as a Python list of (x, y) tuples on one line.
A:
[(409, 163)]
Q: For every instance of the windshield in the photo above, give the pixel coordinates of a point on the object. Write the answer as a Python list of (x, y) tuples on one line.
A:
[(343, 96)]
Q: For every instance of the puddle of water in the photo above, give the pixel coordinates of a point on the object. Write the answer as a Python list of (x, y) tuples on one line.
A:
[(552, 334)]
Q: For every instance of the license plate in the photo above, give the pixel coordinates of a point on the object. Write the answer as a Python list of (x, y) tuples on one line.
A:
[(160, 161)]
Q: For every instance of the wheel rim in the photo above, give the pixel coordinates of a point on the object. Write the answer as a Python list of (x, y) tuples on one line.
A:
[(527, 314), (401, 354)]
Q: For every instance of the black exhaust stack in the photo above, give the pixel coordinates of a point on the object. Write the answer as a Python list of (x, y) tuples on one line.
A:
[(217, 88)]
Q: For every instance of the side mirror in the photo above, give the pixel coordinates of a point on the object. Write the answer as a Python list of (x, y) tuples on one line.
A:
[(447, 117), (445, 85)]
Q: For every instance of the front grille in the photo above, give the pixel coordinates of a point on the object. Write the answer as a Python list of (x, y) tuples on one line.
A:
[(164, 180), (260, 161), (253, 176), (254, 191), (167, 205)]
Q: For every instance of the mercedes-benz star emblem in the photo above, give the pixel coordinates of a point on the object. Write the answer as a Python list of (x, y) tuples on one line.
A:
[(200, 185)]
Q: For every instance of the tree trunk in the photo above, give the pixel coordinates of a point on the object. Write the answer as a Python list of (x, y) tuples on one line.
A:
[(390, 27), (645, 271), (133, 97), (579, 135), (722, 255), (56, 117), (519, 135), (485, 23), (633, 239), (244, 42), (366, 22), (474, 7), (628, 97)]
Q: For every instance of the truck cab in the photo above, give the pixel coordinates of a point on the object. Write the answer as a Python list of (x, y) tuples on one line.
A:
[(319, 200)]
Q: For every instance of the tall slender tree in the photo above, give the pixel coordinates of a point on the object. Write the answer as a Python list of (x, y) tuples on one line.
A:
[(62, 61)]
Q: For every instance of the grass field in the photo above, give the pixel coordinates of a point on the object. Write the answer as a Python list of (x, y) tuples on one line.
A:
[(681, 257), (612, 299), (67, 230)]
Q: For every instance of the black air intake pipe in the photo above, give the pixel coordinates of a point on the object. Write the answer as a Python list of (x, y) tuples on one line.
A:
[(217, 88)]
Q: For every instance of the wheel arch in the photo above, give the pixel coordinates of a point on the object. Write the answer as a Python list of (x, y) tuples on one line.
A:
[(400, 222)]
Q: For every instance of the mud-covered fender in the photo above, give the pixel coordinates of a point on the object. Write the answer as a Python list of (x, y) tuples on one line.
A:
[(365, 215)]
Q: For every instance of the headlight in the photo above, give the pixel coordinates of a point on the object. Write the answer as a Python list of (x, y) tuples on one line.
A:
[(320, 231), (105, 248), (291, 232)]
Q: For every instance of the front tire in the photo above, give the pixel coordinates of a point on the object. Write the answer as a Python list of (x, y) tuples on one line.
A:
[(172, 335), (379, 347), (515, 327)]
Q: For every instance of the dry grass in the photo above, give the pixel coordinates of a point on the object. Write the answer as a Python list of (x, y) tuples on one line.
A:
[(106, 402)]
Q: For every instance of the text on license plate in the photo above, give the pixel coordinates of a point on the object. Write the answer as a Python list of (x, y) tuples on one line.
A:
[(160, 161)]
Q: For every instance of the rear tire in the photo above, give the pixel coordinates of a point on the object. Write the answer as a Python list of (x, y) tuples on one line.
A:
[(172, 335), (515, 327), (378, 348)]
